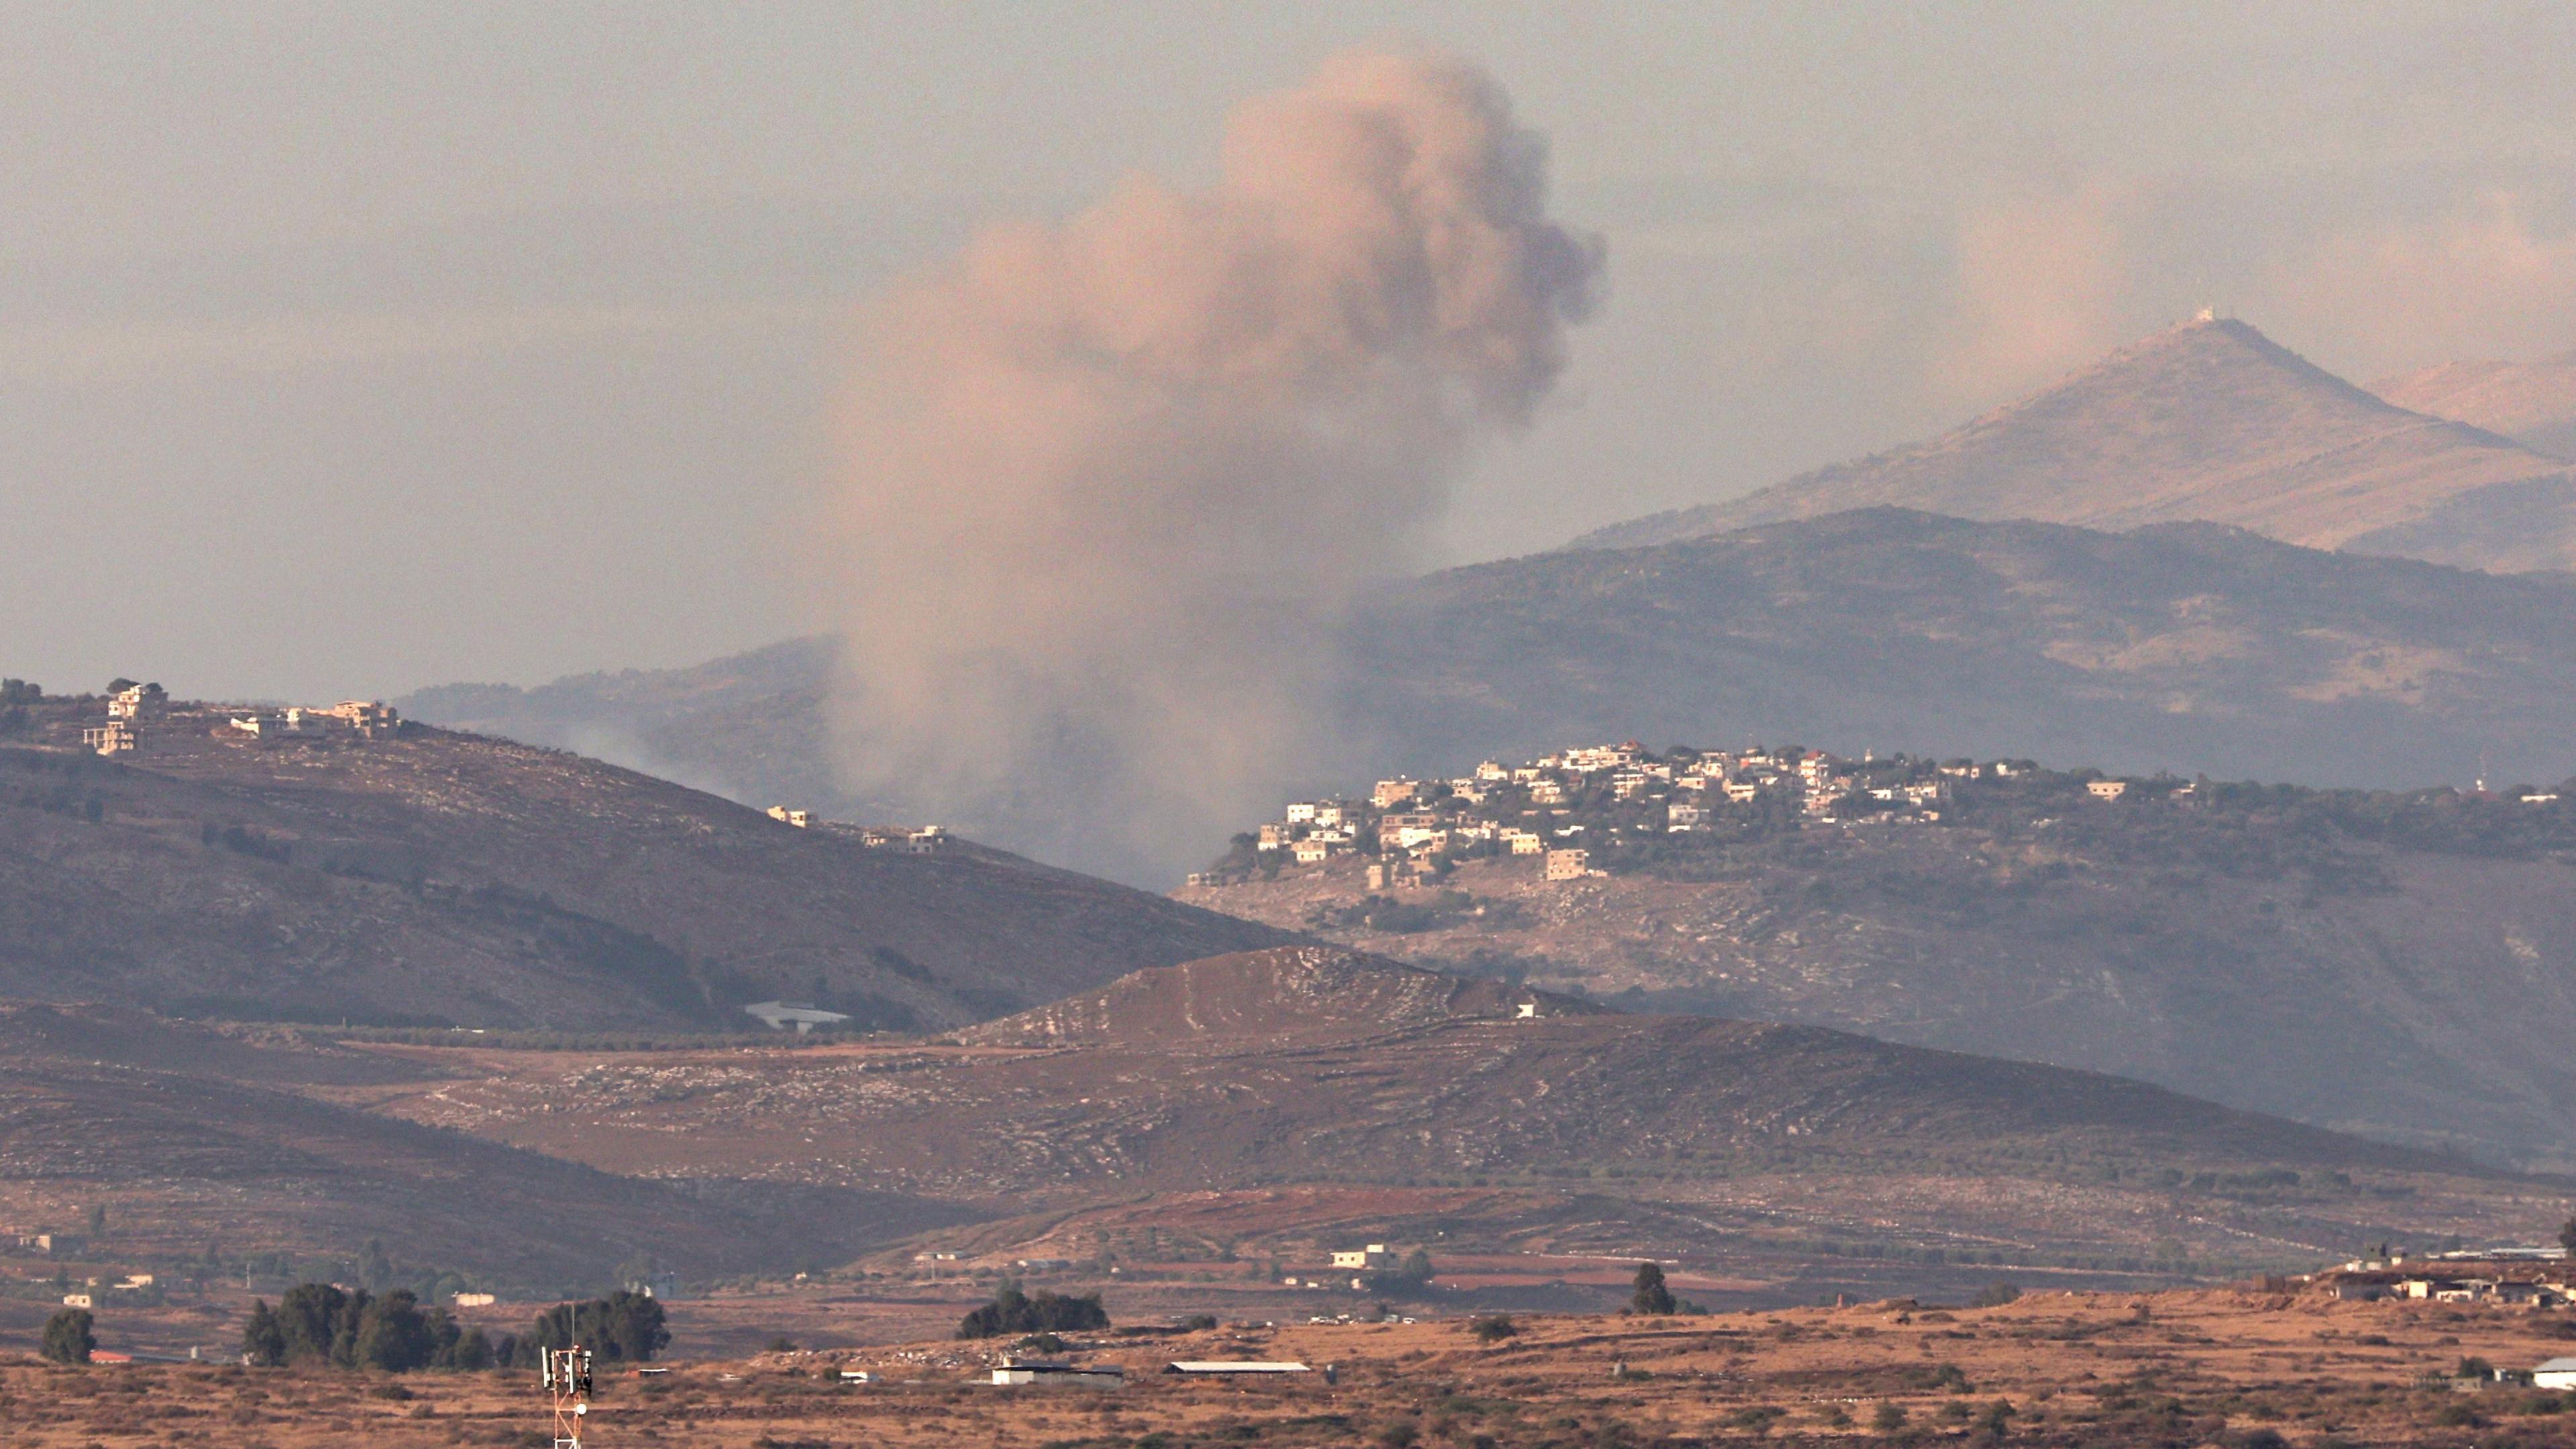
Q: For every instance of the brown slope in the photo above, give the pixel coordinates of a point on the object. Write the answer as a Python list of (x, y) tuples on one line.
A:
[(1276, 997), (2533, 403), (1731, 1122), (212, 1154), (2209, 421), (447, 878)]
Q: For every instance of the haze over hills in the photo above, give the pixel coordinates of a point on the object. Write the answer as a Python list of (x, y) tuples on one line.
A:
[(2208, 421), (2533, 403), (2189, 647), (441, 878)]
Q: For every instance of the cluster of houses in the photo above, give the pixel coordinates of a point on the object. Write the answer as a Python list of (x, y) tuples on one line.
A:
[(927, 840), (133, 709), (2527, 1278), (1521, 809)]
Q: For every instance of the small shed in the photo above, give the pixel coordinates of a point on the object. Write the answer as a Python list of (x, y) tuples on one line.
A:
[(1234, 1366), (2556, 1374)]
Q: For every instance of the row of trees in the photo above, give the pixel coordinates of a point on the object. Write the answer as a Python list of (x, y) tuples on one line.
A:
[(322, 1323)]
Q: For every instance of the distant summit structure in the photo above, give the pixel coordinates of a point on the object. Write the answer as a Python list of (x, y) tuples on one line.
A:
[(2208, 420)]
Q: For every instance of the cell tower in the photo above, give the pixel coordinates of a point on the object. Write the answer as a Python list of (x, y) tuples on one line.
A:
[(566, 1374)]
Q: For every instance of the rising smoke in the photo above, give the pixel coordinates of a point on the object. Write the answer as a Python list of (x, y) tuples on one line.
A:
[(1115, 482)]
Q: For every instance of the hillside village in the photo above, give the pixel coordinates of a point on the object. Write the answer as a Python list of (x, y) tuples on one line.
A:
[(1603, 809), (131, 714)]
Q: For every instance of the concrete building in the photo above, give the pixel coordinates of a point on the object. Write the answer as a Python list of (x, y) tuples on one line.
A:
[(1568, 864), (1395, 792), (138, 702), (1375, 1255), (2106, 789), (2556, 1375), (801, 819), (369, 718), (116, 737)]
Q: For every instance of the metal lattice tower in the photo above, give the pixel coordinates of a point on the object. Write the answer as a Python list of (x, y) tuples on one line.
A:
[(566, 1375)]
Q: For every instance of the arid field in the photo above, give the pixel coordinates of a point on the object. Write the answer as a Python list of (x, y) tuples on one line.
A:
[(2206, 1367)]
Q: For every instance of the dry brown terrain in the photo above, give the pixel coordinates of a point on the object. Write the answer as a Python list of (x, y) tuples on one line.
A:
[(2210, 421), (2066, 1369)]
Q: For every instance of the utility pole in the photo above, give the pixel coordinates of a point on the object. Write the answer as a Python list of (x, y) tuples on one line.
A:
[(566, 1375)]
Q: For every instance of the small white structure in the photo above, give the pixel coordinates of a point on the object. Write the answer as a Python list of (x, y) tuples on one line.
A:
[(801, 819), (77, 1300), (116, 737), (1375, 1255), (802, 1015), (1048, 1372), (2106, 789), (1234, 1366), (1568, 864), (474, 1300), (2558, 1373)]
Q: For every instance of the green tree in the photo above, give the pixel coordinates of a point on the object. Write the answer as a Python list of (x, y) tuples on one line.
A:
[(623, 1325), (1651, 1296), (393, 1334), (1493, 1328), (68, 1338), (1416, 1266), (2567, 1236), (1889, 1418), (1012, 1311), (264, 1336)]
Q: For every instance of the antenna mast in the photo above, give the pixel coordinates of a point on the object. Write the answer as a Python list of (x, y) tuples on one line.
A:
[(566, 1373)]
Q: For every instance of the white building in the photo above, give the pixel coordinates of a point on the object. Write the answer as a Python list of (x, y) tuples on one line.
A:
[(802, 1015), (2556, 1374), (801, 819)]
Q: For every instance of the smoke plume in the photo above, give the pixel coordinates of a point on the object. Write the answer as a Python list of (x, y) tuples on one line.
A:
[(1114, 481)]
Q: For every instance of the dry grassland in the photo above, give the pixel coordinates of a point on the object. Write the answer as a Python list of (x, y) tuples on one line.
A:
[(2181, 1369)]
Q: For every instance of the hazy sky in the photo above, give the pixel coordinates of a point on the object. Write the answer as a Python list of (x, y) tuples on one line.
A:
[(349, 348)]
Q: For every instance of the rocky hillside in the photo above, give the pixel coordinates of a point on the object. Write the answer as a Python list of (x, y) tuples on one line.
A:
[(2533, 403), (1315, 1101), (1275, 997), (2209, 421), (443, 878)]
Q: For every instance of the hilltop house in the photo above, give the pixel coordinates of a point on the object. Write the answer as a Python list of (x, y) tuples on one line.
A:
[(801, 819), (2106, 789), (368, 717), (116, 737), (137, 702), (1568, 864), (1375, 1255)]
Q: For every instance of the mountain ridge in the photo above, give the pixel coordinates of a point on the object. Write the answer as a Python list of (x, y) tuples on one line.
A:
[(2209, 420)]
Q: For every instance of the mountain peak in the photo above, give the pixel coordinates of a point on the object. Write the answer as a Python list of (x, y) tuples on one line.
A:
[(2206, 420)]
